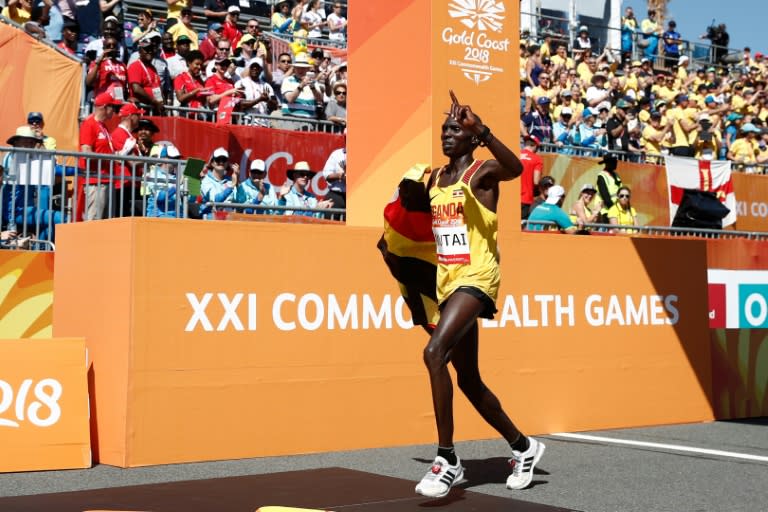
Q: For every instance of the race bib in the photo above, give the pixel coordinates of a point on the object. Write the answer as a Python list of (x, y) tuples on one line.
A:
[(452, 244)]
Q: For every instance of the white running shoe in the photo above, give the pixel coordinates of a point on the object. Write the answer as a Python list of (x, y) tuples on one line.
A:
[(440, 478), (523, 463)]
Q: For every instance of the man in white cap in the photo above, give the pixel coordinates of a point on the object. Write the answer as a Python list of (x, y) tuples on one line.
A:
[(221, 181), (256, 190), (551, 211), (258, 96)]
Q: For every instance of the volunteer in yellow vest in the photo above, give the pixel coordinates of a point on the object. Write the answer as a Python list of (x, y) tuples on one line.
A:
[(622, 213), (608, 183), (463, 195)]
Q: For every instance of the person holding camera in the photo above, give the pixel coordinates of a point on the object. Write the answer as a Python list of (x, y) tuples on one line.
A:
[(302, 94), (708, 139), (107, 73)]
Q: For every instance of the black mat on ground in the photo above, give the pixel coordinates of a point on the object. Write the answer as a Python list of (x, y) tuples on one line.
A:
[(329, 489)]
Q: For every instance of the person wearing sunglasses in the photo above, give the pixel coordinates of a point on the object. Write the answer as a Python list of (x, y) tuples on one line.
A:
[(336, 110), (622, 213)]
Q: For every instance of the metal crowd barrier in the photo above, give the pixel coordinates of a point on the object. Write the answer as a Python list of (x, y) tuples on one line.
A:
[(41, 189), (277, 120), (333, 214), (561, 30), (657, 231), (641, 158)]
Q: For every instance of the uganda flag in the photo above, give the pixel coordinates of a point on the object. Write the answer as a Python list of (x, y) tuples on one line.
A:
[(408, 245)]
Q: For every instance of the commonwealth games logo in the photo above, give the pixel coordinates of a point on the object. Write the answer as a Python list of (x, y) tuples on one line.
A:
[(483, 14)]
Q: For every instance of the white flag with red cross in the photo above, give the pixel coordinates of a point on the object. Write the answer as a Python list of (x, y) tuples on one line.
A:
[(706, 175)]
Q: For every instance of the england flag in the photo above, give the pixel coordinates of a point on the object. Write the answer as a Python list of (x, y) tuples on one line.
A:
[(706, 175)]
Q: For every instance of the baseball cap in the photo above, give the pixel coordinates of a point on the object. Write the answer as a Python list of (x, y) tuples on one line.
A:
[(683, 58), (247, 38), (215, 26), (257, 61), (183, 39), (543, 101), (583, 28), (145, 43), (233, 8), (566, 111), (681, 97), (703, 117), (566, 93), (546, 181), (588, 187), (622, 103), (130, 108), (170, 151), (587, 112), (636, 63), (554, 194), (733, 116), (220, 152), (758, 55), (105, 99), (258, 165), (111, 18), (35, 116), (749, 127), (533, 139)]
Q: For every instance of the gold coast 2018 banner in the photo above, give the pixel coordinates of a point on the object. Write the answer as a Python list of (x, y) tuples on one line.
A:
[(26, 294)]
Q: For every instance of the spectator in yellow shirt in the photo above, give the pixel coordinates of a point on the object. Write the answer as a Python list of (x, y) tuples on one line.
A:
[(708, 139), (745, 148), (19, 11), (654, 137), (683, 123), (561, 58), (176, 6)]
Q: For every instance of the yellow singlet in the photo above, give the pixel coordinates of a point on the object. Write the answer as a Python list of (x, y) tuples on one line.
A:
[(465, 235)]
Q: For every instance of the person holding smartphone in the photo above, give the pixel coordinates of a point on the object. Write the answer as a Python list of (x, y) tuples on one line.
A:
[(107, 73)]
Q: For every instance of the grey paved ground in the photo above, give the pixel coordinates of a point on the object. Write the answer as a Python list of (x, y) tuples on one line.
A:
[(587, 476)]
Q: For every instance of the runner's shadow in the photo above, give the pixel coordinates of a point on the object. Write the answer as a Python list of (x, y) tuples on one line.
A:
[(488, 471)]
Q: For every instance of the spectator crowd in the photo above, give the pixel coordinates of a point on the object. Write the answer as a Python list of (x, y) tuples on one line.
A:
[(648, 98), (163, 65)]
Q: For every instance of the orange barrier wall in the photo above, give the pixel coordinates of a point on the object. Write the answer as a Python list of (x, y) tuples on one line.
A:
[(396, 118), (738, 280), (43, 405), (284, 339), (26, 294), (752, 201), (36, 77)]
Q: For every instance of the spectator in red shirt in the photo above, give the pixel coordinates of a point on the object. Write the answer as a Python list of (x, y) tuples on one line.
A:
[(95, 138), (208, 46), (189, 85), (143, 79), (218, 83), (107, 73), (122, 136), (69, 33), (532, 169), (231, 31)]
